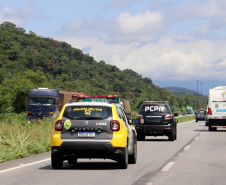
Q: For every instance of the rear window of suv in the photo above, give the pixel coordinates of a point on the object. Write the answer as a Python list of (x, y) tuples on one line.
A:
[(154, 109), (87, 112), (201, 112)]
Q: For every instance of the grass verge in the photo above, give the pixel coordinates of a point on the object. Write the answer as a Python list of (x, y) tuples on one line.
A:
[(19, 139), (185, 118)]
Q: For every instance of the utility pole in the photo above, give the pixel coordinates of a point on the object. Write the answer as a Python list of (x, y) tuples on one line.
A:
[(197, 94), (201, 92)]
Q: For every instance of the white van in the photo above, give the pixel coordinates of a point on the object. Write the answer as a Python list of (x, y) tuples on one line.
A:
[(216, 108)]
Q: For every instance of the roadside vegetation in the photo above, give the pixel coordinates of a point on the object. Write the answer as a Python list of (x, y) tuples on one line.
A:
[(19, 139), (185, 118)]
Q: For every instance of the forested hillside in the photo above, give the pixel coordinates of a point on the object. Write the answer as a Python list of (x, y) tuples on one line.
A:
[(180, 90), (29, 61)]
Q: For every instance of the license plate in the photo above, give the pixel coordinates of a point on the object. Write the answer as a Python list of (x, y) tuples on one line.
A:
[(86, 134)]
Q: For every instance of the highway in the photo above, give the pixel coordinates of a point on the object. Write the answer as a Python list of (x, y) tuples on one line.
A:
[(197, 157)]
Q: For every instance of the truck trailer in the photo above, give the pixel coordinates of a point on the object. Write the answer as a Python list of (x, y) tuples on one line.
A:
[(216, 108)]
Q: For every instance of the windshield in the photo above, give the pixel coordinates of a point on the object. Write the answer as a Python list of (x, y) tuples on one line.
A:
[(202, 112), (40, 101), (87, 112), (153, 109)]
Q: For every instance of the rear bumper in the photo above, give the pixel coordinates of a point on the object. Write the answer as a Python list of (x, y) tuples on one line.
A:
[(200, 118), (89, 150), (216, 122), (155, 130)]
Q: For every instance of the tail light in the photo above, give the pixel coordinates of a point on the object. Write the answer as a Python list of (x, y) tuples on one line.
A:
[(209, 112), (168, 116), (59, 125), (29, 112), (115, 125), (139, 116)]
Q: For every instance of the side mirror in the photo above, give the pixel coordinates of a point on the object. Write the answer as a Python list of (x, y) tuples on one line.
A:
[(56, 101), (175, 114)]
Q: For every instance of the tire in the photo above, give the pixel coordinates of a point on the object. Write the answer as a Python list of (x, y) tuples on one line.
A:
[(175, 136), (123, 161), (133, 158), (140, 137), (72, 160), (172, 136), (57, 161), (196, 120), (210, 128)]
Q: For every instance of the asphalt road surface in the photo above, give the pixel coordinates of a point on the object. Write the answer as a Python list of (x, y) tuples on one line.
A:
[(197, 157)]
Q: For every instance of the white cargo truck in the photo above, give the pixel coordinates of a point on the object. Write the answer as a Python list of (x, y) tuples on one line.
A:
[(216, 108)]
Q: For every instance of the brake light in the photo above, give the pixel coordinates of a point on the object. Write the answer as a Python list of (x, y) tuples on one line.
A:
[(209, 112), (115, 125), (139, 116), (29, 112), (59, 125), (168, 116)]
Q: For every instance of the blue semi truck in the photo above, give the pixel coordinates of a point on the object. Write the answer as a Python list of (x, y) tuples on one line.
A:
[(44, 102)]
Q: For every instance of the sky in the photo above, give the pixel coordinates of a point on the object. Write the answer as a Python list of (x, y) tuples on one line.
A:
[(178, 43)]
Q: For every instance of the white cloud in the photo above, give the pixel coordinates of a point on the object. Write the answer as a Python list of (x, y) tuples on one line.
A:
[(9, 15), (203, 29), (194, 10), (18, 16), (167, 59), (125, 28), (140, 23)]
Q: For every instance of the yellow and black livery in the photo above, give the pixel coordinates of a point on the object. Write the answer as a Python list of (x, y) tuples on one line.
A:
[(93, 130)]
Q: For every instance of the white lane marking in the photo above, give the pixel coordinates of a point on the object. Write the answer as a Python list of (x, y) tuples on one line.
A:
[(187, 147), (24, 165), (196, 138), (168, 166)]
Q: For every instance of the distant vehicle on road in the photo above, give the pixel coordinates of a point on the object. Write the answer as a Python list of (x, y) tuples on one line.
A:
[(200, 115), (155, 118), (216, 108), (44, 102), (189, 110)]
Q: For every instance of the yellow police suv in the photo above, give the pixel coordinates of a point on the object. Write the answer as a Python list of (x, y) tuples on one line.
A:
[(93, 130)]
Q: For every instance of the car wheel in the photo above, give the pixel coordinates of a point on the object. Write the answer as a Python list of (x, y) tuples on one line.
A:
[(196, 120), (57, 161), (123, 161), (175, 136), (72, 160), (172, 136), (210, 128), (140, 137), (133, 157)]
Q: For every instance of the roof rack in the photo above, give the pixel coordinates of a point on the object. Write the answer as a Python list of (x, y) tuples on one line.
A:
[(156, 102)]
